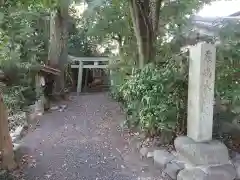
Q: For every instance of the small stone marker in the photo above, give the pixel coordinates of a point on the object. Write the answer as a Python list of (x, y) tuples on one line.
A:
[(201, 92)]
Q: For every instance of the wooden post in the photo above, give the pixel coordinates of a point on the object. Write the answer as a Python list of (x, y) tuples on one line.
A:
[(6, 146), (96, 63), (38, 85), (111, 78), (86, 80), (80, 72)]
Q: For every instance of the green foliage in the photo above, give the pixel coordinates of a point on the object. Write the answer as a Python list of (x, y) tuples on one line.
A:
[(110, 19), (118, 78), (23, 45), (110, 24), (6, 175), (153, 97), (227, 82), (120, 72), (24, 36), (228, 64), (79, 44)]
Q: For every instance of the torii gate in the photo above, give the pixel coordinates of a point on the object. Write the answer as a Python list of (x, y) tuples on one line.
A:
[(81, 63)]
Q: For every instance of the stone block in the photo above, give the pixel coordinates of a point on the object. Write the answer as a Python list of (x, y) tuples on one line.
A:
[(223, 172), (192, 174), (180, 163), (136, 143), (16, 147), (20, 150), (234, 155), (208, 153), (162, 157), (165, 138), (17, 134), (237, 167), (172, 169), (144, 151), (150, 154), (39, 107)]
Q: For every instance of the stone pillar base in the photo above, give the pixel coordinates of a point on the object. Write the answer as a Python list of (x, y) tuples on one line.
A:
[(204, 161)]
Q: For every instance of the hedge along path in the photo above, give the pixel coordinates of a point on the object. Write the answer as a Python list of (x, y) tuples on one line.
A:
[(6, 147)]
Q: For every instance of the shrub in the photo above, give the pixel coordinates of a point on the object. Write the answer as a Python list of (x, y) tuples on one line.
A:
[(120, 72), (19, 90), (154, 97), (227, 73)]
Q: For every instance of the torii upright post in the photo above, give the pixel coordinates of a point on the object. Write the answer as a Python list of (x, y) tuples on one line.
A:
[(80, 73), (6, 146)]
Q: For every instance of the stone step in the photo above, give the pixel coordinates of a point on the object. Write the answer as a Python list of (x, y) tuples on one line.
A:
[(220, 172), (208, 153)]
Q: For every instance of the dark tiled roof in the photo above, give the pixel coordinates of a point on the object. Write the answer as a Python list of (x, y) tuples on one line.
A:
[(235, 14), (214, 21), (206, 27), (210, 25)]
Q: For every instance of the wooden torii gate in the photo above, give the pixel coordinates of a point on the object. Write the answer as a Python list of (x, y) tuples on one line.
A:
[(80, 64)]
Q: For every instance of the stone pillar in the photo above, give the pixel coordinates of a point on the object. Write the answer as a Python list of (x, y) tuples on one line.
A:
[(201, 92), (39, 104), (204, 158)]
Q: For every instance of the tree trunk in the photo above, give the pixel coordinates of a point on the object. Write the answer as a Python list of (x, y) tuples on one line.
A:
[(6, 146), (58, 51), (145, 17)]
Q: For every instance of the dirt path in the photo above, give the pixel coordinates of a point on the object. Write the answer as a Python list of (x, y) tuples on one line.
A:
[(84, 143)]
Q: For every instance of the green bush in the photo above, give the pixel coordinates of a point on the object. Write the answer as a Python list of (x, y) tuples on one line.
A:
[(228, 64), (154, 98), (120, 71), (227, 73), (19, 90), (118, 79), (6, 175)]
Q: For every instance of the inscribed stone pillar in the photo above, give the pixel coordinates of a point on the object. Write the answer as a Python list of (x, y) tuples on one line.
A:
[(201, 92)]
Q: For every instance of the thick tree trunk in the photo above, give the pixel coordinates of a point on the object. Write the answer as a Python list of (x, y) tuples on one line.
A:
[(145, 17), (6, 146), (58, 51)]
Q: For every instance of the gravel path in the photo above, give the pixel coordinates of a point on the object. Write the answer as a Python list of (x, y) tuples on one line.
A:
[(84, 143)]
